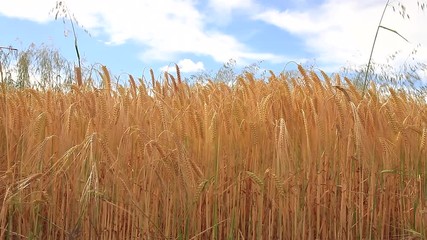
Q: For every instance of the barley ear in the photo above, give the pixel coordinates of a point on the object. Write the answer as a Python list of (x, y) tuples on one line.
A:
[(255, 178), (423, 140), (78, 76), (153, 79), (106, 79), (132, 86), (178, 74)]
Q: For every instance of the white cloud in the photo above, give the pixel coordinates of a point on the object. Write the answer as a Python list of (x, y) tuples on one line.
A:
[(340, 31), (37, 11), (221, 12), (228, 5), (185, 66), (224, 8), (164, 29)]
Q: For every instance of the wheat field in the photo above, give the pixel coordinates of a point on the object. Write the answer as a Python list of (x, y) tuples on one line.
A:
[(307, 157)]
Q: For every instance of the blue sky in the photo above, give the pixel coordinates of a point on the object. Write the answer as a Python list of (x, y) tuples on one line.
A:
[(131, 36)]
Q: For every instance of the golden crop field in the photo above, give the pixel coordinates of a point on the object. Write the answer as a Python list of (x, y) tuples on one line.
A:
[(286, 158)]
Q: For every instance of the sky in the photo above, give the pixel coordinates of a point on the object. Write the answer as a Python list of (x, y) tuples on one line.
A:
[(130, 36)]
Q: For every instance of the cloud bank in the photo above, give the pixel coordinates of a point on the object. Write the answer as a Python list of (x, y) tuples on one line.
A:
[(185, 66)]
